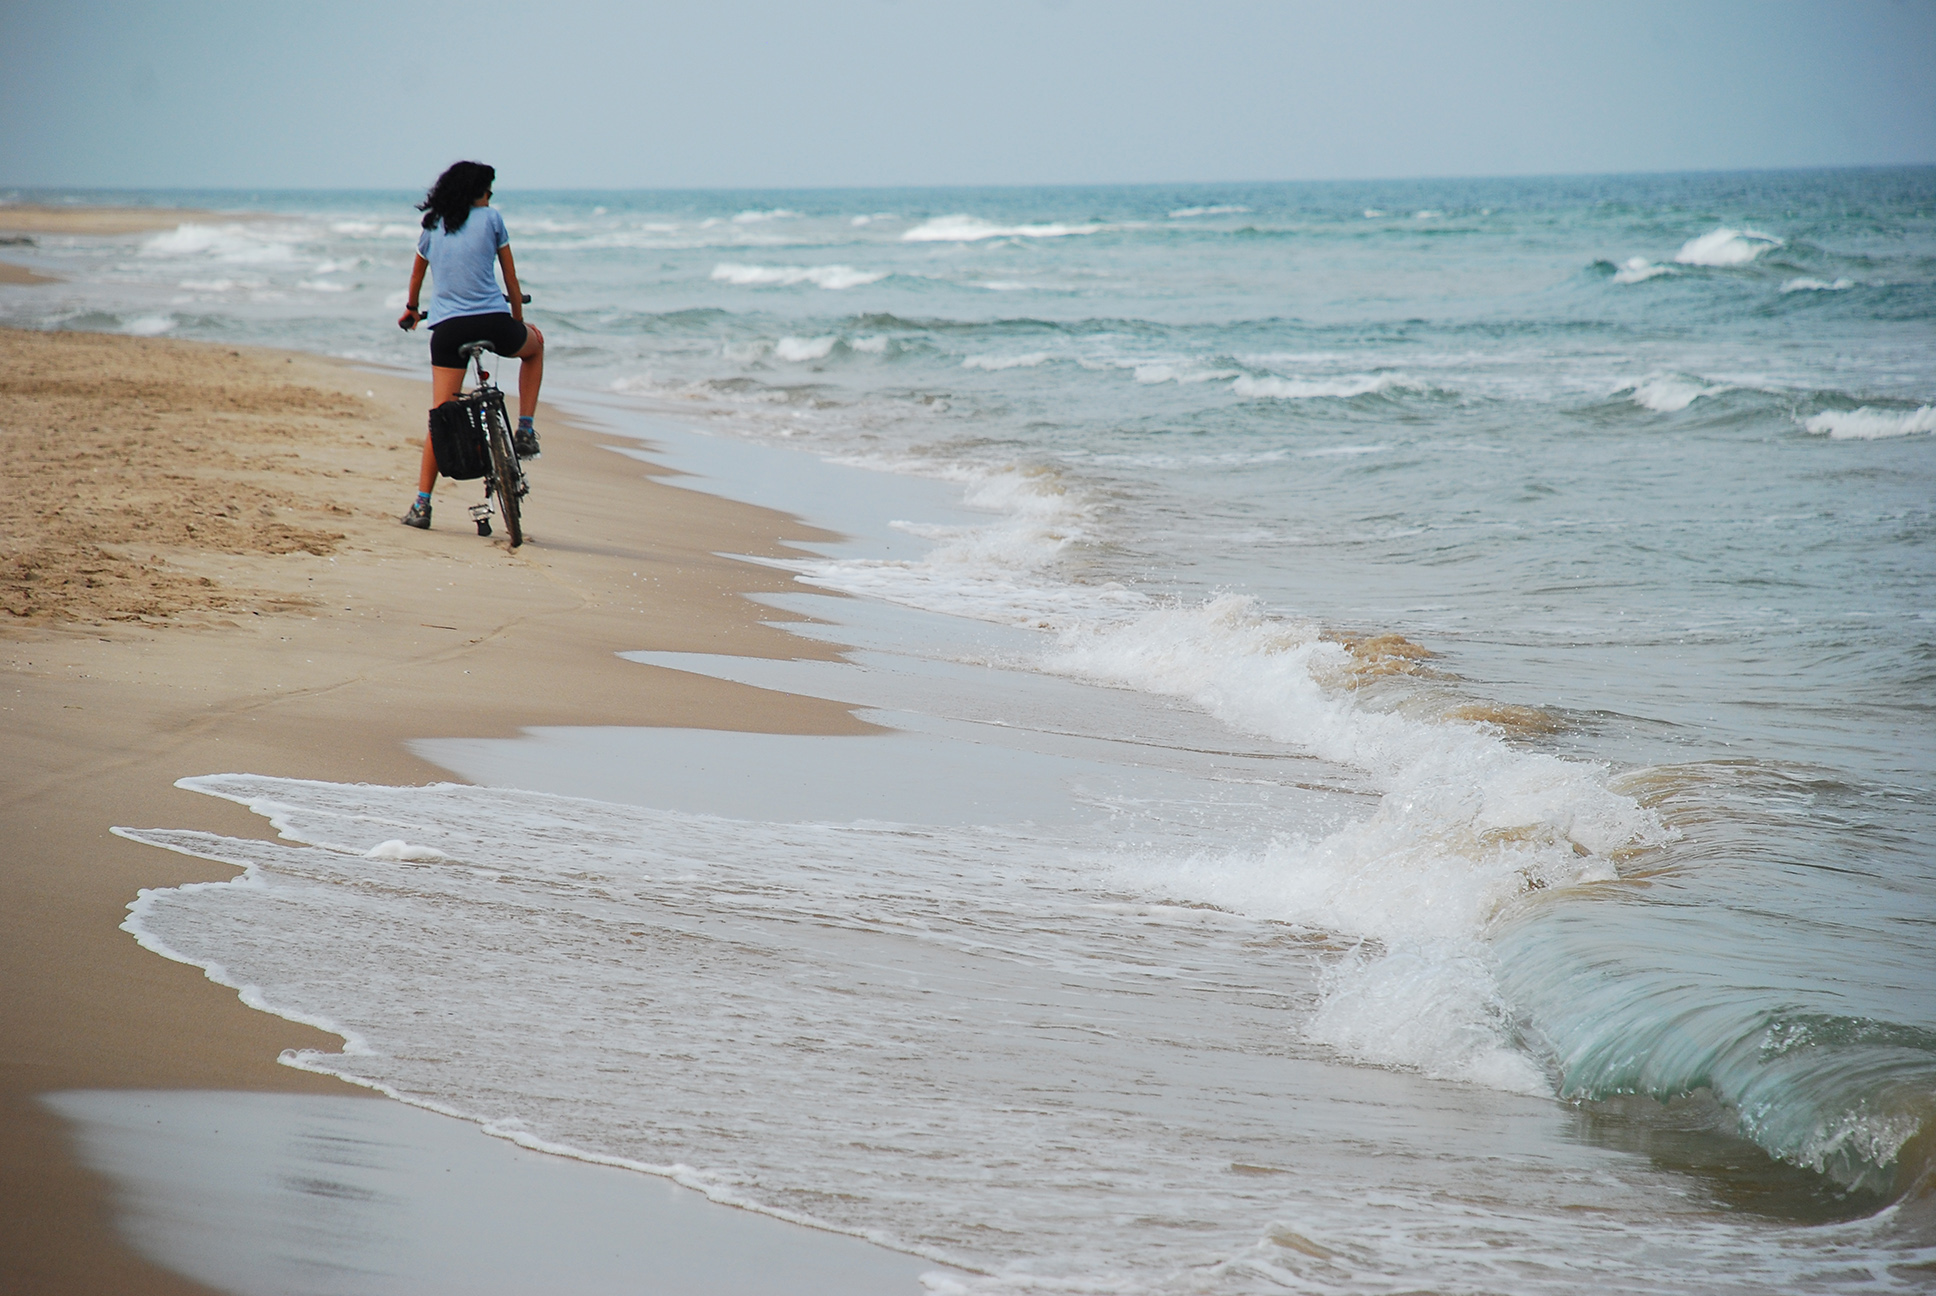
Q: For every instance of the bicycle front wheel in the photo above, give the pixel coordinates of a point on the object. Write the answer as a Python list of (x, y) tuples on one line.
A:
[(507, 478)]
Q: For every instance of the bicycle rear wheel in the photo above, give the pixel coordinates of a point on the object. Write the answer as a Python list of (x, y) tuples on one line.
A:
[(507, 478)]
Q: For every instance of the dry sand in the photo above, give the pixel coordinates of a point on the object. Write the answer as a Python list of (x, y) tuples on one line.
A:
[(201, 571)]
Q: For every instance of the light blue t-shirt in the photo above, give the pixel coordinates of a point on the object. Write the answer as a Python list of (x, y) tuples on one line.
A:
[(463, 266)]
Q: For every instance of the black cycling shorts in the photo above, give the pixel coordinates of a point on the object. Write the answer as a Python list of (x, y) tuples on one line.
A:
[(506, 336)]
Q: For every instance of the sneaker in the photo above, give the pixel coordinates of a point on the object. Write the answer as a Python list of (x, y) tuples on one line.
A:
[(418, 516), (525, 442)]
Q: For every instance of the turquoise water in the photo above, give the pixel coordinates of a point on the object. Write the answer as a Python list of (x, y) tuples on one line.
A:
[(1588, 521)]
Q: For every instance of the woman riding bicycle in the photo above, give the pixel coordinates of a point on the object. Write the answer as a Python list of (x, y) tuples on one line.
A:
[(461, 237)]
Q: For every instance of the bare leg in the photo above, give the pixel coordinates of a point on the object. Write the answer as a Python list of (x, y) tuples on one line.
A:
[(427, 469), (444, 385), (530, 372)]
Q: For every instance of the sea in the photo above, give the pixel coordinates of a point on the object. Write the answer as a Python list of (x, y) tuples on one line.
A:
[(1405, 754)]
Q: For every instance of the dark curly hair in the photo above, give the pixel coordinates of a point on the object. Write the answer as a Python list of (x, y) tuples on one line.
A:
[(456, 191)]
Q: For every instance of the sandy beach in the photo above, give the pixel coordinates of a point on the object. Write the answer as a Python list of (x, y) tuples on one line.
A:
[(202, 571)]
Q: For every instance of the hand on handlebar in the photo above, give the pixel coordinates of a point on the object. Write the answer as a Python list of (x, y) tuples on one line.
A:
[(408, 320)]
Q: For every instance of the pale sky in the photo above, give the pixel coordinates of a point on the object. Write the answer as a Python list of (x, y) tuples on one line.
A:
[(786, 93)]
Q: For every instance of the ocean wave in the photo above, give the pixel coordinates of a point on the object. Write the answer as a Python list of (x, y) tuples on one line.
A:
[(995, 571), (755, 217), (1640, 270), (995, 364), (971, 229), (1181, 374), (148, 325), (1307, 389), (375, 229), (234, 244), (1726, 247), (1806, 284), (1841, 1096), (1871, 424), (1466, 826), (1230, 209), (230, 284), (825, 276), (1671, 393), (799, 350)]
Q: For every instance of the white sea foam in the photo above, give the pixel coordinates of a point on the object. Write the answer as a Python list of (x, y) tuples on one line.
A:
[(1307, 389), (1225, 209), (799, 350), (1871, 424), (1726, 247), (234, 244), (823, 276), (1373, 213), (1182, 374), (227, 283), (148, 325), (1427, 215), (397, 849), (1334, 452), (871, 344), (1671, 393), (1002, 1059), (995, 571), (994, 363), (1466, 826), (1817, 285), (970, 229), (1640, 270), (375, 229), (756, 217)]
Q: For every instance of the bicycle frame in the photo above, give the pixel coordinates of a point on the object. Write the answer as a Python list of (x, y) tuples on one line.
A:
[(505, 482)]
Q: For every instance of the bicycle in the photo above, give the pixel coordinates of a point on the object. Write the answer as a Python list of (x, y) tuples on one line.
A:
[(504, 475)]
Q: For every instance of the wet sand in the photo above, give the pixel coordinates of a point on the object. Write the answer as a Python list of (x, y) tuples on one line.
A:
[(201, 571), (33, 218)]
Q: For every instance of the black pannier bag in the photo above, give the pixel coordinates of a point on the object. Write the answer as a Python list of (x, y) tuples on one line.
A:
[(457, 435)]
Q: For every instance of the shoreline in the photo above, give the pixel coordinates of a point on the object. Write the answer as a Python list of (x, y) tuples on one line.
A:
[(278, 652), (39, 218), (26, 219)]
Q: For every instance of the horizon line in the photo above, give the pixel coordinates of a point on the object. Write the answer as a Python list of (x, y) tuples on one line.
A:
[(11, 186)]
